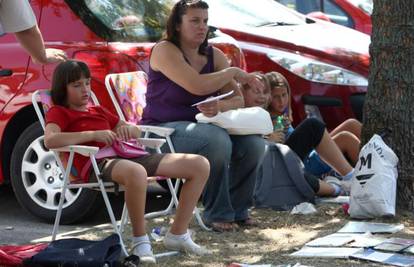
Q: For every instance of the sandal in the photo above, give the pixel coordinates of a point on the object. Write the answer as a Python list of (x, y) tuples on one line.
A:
[(247, 223), (222, 227)]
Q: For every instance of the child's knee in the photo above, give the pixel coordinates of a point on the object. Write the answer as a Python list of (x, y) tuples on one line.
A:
[(200, 167), (136, 176)]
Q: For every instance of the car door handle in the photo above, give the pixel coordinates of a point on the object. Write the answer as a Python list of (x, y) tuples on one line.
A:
[(6, 72)]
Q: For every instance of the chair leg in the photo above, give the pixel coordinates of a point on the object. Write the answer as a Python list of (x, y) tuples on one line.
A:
[(108, 205), (62, 197), (200, 220), (112, 216), (124, 218)]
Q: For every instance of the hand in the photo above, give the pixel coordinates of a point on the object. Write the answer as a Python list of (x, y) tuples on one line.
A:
[(251, 79), (277, 137), (104, 136), (55, 55), (210, 109), (128, 132), (127, 21)]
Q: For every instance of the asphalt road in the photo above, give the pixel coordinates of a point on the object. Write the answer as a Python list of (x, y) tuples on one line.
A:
[(17, 226)]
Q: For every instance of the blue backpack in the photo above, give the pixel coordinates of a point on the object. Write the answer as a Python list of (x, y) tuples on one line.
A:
[(73, 252)]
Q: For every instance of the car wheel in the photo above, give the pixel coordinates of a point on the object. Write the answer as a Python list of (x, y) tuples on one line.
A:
[(36, 178)]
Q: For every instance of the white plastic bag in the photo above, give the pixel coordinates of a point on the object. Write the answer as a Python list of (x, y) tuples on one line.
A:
[(374, 184), (243, 121)]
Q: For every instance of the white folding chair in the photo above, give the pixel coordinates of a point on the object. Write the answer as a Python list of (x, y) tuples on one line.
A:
[(43, 97), (129, 89)]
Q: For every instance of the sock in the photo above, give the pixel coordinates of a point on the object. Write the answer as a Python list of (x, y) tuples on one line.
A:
[(337, 188), (184, 237), (144, 248), (348, 176)]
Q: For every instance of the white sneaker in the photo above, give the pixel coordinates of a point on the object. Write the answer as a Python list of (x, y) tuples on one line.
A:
[(344, 185), (184, 244), (147, 257)]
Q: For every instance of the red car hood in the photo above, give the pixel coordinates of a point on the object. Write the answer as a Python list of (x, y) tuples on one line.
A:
[(324, 41)]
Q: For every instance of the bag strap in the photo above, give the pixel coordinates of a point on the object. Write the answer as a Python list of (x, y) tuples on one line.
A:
[(105, 152)]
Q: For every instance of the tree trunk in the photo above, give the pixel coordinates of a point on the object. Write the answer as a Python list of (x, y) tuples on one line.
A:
[(390, 99)]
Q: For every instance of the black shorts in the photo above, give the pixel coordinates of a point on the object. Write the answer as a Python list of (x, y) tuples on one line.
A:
[(150, 162), (306, 137)]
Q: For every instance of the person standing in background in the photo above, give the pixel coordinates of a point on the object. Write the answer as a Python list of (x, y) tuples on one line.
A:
[(16, 16)]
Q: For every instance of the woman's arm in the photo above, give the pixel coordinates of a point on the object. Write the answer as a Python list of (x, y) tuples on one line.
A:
[(236, 100), (168, 59), (55, 138)]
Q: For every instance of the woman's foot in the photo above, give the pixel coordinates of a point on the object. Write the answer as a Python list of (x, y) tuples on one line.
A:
[(247, 223), (142, 248), (184, 243)]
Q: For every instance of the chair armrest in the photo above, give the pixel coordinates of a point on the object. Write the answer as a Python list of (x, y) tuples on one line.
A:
[(83, 150), (160, 131), (153, 143)]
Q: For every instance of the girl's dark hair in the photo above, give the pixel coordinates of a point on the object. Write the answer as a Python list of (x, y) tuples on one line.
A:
[(65, 73), (176, 18)]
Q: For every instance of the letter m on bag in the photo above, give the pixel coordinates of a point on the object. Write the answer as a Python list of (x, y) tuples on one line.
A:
[(366, 161)]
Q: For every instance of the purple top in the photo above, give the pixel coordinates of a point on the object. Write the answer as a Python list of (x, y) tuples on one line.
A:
[(167, 101)]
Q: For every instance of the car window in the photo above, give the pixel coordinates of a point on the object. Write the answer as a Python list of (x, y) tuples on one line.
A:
[(124, 20), (302, 6), (365, 5), (245, 13), (336, 14)]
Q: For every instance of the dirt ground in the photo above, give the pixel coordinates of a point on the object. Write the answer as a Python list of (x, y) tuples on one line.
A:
[(278, 235)]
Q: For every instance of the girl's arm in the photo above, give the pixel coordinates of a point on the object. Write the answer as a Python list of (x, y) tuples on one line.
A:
[(127, 131), (169, 60), (55, 138)]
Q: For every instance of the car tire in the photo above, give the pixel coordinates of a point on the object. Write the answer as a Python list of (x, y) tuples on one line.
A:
[(35, 176)]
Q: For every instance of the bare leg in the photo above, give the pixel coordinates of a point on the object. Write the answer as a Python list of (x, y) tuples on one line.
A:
[(195, 170), (134, 178), (349, 144), (351, 125), (325, 189), (331, 154)]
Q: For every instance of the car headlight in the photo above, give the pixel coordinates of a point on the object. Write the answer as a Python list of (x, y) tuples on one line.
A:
[(317, 71)]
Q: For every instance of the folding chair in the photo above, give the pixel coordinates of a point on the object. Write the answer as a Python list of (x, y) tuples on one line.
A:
[(43, 97), (127, 91)]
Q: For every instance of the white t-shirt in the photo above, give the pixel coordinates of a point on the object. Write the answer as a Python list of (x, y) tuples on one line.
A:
[(16, 15)]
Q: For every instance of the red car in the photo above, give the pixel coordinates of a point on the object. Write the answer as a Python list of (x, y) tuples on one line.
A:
[(325, 64), (355, 14), (87, 30)]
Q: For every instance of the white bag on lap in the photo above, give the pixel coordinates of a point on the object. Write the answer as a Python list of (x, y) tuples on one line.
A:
[(243, 121), (374, 184)]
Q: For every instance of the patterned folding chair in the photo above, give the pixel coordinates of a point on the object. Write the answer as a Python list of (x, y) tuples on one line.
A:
[(127, 92), (71, 180)]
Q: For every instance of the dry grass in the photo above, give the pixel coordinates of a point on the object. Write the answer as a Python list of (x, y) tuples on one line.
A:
[(279, 235)]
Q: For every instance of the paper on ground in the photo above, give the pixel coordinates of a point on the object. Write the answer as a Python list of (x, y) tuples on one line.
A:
[(395, 244), (386, 258), (213, 98), (366, 240), (334, 200), (333, 240), (364, 227), (324, 252)]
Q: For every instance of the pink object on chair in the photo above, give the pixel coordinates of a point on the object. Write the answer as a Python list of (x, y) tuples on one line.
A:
[(130, 92)]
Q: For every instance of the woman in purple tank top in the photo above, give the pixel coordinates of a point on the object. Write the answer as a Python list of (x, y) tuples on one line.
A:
[(185, 70)]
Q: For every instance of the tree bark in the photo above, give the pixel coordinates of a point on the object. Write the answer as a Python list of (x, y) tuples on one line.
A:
[(390, 98)]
